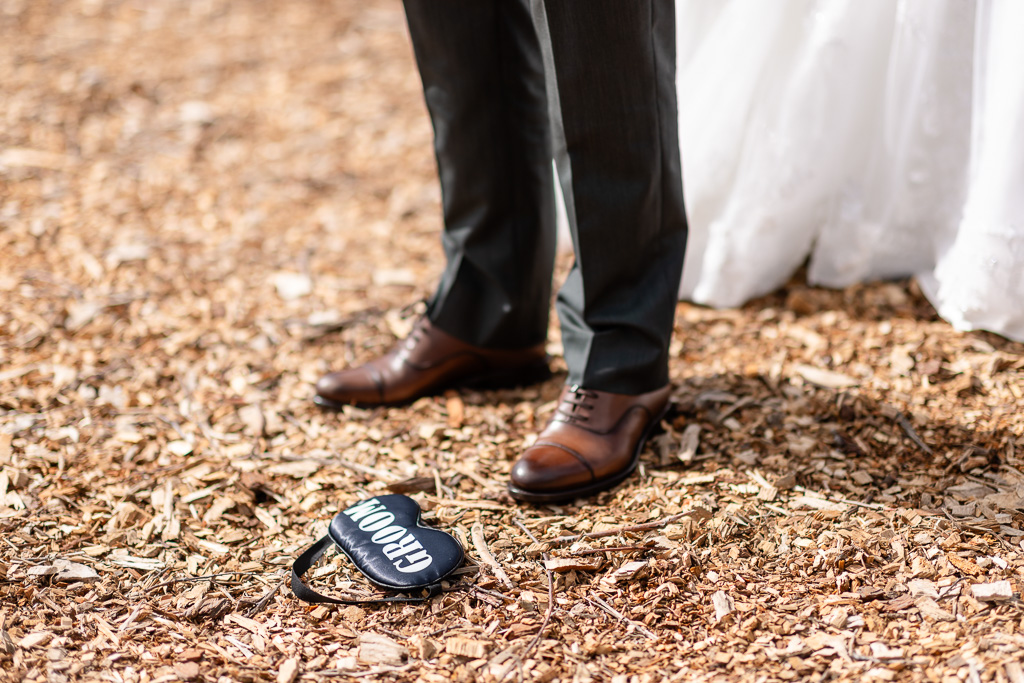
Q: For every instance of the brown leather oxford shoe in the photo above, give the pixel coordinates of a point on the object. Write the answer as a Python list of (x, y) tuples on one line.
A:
[(426, 362), (591, 444)]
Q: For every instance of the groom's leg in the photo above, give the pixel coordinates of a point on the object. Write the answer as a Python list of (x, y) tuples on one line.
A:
[(483, 78), (614, 113), (617, 148)]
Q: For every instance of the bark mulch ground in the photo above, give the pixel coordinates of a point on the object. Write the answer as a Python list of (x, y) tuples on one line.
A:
[(205, 204)]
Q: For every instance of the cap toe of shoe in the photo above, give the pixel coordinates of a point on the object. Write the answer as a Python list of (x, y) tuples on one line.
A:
[(349, 386), (549, 468)]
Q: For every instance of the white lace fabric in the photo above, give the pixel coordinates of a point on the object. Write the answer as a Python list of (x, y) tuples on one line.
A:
[(882, 139)]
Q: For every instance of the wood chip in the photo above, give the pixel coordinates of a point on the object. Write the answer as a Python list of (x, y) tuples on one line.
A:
[(250, 625), (931, 609), (456, 409), (766, 492), (883, 651), (299, 469), (187, 671), (689, 443), (627, 572), (68, 572), (785, 482), (723, 605), (698, 511), (180, 448), (813, 503), (466, 647), (995, 591), (964, 565), (560, 565), (838, 618), (7, 646), (375, 648), (5, 447), (42, 570), (291, 286), (426, 648), (35, 639), (826, 378), (289, 671), (962, 510), (32, 158), (535, 550), (899, 604), (923, 587)]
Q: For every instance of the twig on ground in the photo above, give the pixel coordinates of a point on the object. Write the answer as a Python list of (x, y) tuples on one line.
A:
[(614, 549), (495, 594), (363, 469), (646, 526), (899, 418), (262, 603), (598, 602), (204, 577), (506, 654), (547, 613), (443, 630), (872, 506), (477, 533), (377, 670)]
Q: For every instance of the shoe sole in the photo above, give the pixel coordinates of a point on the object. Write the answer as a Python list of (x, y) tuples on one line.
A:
[(495, 379), (593, 487)]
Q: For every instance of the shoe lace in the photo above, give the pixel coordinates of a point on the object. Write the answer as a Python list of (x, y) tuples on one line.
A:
[(574, 406), (415, 335)]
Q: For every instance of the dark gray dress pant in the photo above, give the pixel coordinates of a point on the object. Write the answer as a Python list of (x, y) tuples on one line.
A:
[(592, 83)]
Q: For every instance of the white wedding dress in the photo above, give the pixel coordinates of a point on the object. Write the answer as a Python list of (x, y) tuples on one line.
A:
[(880, 138)]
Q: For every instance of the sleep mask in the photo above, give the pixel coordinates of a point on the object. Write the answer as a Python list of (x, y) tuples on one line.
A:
[(386, 541)]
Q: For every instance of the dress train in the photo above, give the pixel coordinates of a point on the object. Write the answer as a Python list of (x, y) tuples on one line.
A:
[(879, 139)]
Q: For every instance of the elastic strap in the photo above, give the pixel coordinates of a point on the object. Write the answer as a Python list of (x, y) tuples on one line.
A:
[(304, 592)]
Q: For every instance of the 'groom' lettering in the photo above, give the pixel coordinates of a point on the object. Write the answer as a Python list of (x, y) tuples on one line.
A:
[(417, 561), (403, 547), (357, 512), (377, 521), (388, 535)]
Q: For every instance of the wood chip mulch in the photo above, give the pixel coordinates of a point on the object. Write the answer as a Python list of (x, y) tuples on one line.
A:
[(204, 205)]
